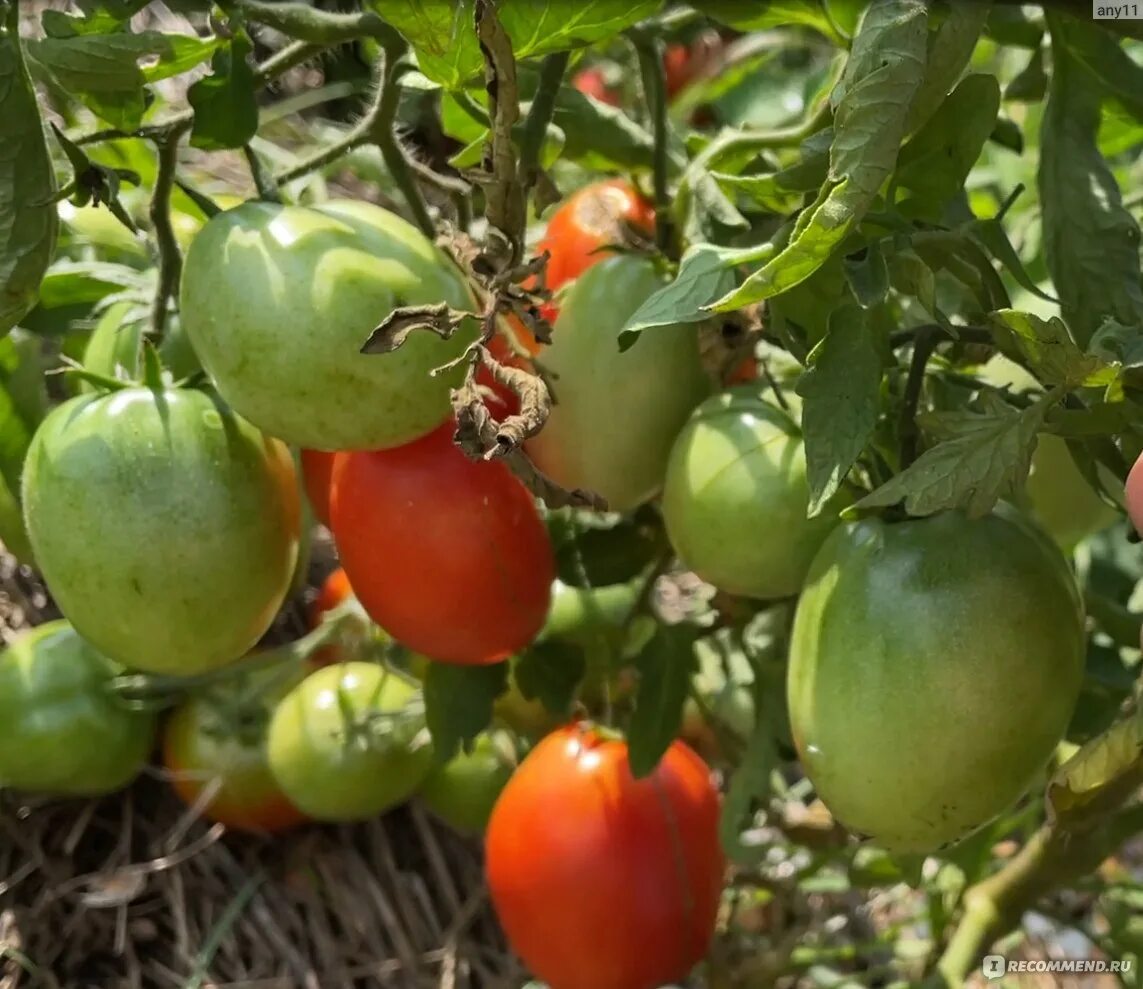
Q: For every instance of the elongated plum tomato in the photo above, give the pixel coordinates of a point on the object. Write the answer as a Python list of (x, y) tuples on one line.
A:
[(332, 753), (62, 731), (146, 509), (317, 468), (447, 554), (278, 301), (628, 872), (736, 497), (934, 666), (216, 740), (617, 412)]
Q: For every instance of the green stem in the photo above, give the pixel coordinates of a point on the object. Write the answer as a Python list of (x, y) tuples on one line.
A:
[(263, 180), (963, 334), (474, 110), (923, 346), (170, 258), (540, 115), (300, 20), (650, 52)]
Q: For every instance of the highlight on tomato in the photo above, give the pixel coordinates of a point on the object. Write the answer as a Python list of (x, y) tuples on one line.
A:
[(447, 554)]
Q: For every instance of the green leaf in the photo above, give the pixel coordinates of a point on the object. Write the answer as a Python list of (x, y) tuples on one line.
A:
[(1103, 771), (986, 458), (950, 48), (458, 703), (600, 136), (1031, 84), (225, 103), (665, 664), (990, 236), (705, 274), (841, 389), (750, 783), (912, 276), (1048, 350), (69, 283), (1091, 243), (1118, 344), (601, 551), (1014, 26), (551, 671), (1116, 73), (935, 162), (872, 104), (29, 222), (445, 39), (761, 15)]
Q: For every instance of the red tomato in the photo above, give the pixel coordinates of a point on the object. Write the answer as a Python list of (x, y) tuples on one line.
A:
[(679, 67), (334, 590), (745, 373), (447, 554), (591, 82), (316, 468), (629, 872)]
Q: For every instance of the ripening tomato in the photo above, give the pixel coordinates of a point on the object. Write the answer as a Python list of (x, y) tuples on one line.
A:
[(628, 872), (216, 740), (335, 591), (317, 466), (592, 82), (447, 554)]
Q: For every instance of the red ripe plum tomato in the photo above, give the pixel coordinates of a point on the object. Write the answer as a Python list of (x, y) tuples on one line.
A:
[(317, 466), (602, 881), (447, 554)]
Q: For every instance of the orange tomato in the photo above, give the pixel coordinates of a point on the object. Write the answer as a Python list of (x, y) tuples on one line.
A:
[(316, 468)]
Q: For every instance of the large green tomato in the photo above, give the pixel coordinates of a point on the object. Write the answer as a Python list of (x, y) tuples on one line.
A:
[(616, 413), (278, 301), (1057, 494), (463, 791), (336, 748), (934, 665), (62, 731), (736, 495), (165, 526)]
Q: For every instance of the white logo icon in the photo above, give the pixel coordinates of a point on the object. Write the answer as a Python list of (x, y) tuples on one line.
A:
[(993, 967)]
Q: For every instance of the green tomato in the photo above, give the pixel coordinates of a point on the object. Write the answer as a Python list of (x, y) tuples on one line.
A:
[(736, 496), (336, 748), (98, 227), (617, 413), (62, 731), (463, 791), (115, 347), (1057, 494), (165, 526), (278, 301), (934, 665)]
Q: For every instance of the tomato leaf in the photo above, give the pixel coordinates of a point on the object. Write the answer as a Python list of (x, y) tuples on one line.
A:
[(868, 275), (1049, 350), (458, 703), (665, 664), (752, 15), (1103, 772), (750, 783), (1091, 243), (446, 44), (28, 218), (1117, 74), (985, 458), (551, 671), (911, 275), (871, 104), (599, 551), (950, 47), (935, 162), (990, 236), (225, 107), (598, 135), (841, 390)]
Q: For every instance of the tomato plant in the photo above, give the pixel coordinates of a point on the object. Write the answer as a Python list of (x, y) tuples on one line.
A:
[(447, 555), (342, 745), (278, 301), (61, 729), (573, 819), (463, 791), (205, 508), (214, 748)]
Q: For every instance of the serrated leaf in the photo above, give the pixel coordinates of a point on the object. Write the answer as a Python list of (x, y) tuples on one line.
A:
[(29, 221), (551, 672), (990, 236), (840, 389), (446, 44), (1048, 349), (665, 664), (1117, 345), (225, 102), (986, 458), (949, 51), (1102, 767), (458, 703), (1091, 243), (872, 103), (935, 162), (705, 274)]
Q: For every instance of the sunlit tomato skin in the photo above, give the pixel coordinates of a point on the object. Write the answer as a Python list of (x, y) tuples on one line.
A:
[(616, 413), (330, 751), (592, 82), (934, 666), (278, 301), (62, 731), (736, 497), (447, 554), (628, 873), (464, 790), (216, 740), (317, 467), (166, 526)]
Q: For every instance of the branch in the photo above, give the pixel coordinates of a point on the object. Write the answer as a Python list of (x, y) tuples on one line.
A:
[(300, 20), (650, 52), (263, 180), (170, 258), (957, 334), (540, 115), (923, 346)]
